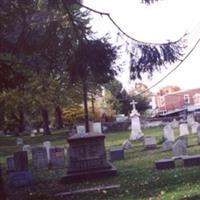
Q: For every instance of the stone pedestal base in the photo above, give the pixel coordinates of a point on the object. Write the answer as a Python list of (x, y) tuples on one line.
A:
[(88, 175)]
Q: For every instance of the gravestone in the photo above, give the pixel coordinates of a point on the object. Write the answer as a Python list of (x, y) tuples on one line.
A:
[(190, 120), (57, 157), (21, 160), (194, 127), (87, 158), (175, 123), (167, 145), (97, 127), (47, 145), (20, 179), (116, 153), (80, 129), (198, 134), (165, 164), (183, 129), (10, 164), (39, 158), (136, 132), (127, 144), (19, 141), (168, 133), (32, 134), (179, 148), (26, 148), (149, 143), (190, 161)]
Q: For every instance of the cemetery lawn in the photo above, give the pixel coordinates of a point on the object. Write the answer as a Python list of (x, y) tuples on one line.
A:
[(137, 176)]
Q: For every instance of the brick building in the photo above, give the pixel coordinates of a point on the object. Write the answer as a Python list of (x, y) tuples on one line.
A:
[(175, 101)]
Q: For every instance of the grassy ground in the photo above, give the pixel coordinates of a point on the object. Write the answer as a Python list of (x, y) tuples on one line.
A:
[(136, 174)]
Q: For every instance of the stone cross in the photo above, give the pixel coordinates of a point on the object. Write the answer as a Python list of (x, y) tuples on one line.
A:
[(133, 103)]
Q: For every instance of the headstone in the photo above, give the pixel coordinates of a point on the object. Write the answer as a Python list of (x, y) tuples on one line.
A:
[(190, 120), (27, 148), (41, 130), (190, 161), (19, 141), (20, 179), (168, 133), (97, 127), (127, 144), (194, 127), (80, 129), (167, 145), (183, 129), (47, 146), (21, 160), (116, 153), (10, 164), (87, 158), (39, 158), (149, 143), (198, 134), (32, 134), (57, 157), (175, 123), (179, 148), (165, 164), (136, 132)]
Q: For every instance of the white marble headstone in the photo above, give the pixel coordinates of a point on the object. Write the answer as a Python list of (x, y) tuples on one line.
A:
[(175, 123), (47, 145), (97, 127), (183, 129), (168, 133), (194, 127), (80, 129), (19, 141), (27, 148)]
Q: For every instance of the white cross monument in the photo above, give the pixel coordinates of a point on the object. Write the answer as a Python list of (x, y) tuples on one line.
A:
[(136, 132)]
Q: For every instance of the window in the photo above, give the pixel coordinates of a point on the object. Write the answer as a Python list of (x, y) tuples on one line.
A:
[(196, 98), (186, 99)]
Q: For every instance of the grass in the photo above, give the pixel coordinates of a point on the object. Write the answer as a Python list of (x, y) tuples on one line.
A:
[(136, 174)]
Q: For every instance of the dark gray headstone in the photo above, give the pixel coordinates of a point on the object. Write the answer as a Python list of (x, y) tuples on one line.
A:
[(39, 158), (116, 153), (149, 143), (165, 164), (21, 160), (57, 157), (20, 179), (179, 148), (10, 164)]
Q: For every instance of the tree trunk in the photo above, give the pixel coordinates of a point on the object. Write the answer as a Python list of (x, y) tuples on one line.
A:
[(93, 108), (3, 195), (58, 117), (85, 106), (21, 121), (45, 116)]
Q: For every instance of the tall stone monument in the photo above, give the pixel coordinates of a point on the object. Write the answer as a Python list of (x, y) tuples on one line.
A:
[(136, 132), (87, 158)]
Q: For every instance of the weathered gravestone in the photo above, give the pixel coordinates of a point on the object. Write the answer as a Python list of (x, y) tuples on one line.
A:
[(20, 179), (116, 153), (39, 158), (21, 160), (87, 158), (180, 147), (57, 157), (47, 145), (27, 148), (127, 144), (19, 141), (80, 129), (149, 143), (194, 127), (198, 134), (10, 164), (190, 161), (167, 145), (97, 127), (165, 164), (175, 123), (168, 133), (183, 129)]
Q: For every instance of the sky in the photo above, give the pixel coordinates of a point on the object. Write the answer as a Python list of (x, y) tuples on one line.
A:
[(162, 21)]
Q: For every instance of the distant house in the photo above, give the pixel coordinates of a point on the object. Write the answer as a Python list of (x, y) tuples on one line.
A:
[(173, 102)]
